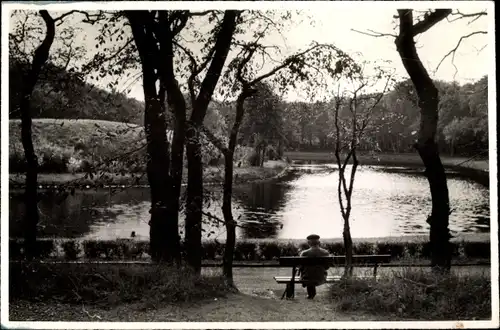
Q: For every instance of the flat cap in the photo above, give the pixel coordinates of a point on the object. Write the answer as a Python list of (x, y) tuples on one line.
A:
[(313, 237)]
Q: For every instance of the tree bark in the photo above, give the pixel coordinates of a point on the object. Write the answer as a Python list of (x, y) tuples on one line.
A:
[(426, 144), (31, 217), (194, 202), (346, 234), (164, 237), (194, 199), (177, 103), (230, 223), (228, 187)]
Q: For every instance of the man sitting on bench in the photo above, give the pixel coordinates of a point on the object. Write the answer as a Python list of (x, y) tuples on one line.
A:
[(312, 276)]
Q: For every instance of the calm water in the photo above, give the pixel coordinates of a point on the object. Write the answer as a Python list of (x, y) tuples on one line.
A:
[(386, 202)]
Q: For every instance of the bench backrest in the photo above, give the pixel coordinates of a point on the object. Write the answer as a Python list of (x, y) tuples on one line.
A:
[(335, 260)]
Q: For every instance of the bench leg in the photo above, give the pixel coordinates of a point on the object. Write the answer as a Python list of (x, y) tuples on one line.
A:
[(290, 287), (290, 290)]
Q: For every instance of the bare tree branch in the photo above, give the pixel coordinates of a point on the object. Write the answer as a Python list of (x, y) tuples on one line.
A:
[(376, 34), (459, 16), (287, 62), (454, 50)]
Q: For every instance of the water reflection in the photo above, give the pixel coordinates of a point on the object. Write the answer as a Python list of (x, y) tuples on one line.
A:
[(386, 201)]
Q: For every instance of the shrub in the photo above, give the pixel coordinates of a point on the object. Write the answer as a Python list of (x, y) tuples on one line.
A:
[(253, 159), (477, 249), (45, 248), (90, 249), (17, 162), (363, 248), (212, 250), (245, 251), (269, 251), (15, 250), (416, 294), (396, 250), (71, 250), (272, 153), (336, 248), (413, 249), (289, 249)]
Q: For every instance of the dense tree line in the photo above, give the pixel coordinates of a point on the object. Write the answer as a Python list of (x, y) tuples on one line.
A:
[(462, 126)]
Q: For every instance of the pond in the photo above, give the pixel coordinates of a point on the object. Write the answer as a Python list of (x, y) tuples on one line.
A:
[(387, 201)]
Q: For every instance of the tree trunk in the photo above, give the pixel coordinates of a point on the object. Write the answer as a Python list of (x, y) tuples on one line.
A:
[(177, 164), (194, 200), (163, 231), (426, 145), (228, 188), (346, 234), (31, 217), (230, 223), (263, 157), (177, 104)]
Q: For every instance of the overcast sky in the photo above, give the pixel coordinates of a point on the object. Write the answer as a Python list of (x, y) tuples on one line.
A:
[(335, 22)]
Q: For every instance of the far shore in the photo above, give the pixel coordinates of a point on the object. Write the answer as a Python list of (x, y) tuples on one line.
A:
[(387, 159), (212, 175), (475, 168)]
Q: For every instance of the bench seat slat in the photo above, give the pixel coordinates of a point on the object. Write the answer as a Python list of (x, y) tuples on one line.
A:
[(335, 261), (329, 278)]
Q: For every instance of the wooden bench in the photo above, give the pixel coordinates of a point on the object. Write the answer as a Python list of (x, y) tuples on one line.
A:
[(330, 261)]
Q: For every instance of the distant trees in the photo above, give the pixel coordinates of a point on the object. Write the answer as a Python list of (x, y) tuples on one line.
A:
[(262, 127), (397, 121)]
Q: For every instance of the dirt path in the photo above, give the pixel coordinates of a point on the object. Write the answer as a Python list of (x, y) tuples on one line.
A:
[(238, 307)]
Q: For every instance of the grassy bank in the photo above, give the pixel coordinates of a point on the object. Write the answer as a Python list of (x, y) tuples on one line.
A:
[(410, 159), (463, 248), (125, 293), (116, 149), (417, 295), (67, 146)]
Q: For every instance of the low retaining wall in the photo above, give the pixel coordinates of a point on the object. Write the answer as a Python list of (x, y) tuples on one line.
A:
[(415, 247)]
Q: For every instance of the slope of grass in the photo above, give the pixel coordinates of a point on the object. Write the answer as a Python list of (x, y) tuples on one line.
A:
[(418, 295), (85, 145), (78, 145)]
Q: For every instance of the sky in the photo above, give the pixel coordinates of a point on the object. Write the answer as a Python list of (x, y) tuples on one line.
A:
[(335, 23)]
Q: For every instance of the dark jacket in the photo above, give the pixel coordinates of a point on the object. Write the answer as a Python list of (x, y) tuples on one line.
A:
[(314, 275)]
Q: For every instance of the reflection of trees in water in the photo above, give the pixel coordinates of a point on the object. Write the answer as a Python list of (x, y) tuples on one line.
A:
[(261, 202), (66, 215)]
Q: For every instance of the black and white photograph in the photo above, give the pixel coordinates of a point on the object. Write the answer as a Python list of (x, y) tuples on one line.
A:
[(249, 164)]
